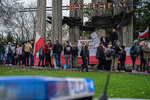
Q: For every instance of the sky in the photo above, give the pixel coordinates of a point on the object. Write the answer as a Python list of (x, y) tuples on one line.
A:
[(49, 4), (64, 3)]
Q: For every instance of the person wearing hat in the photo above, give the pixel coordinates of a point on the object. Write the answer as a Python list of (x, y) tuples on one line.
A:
[(68, 54), (100, 55), (134, 53)]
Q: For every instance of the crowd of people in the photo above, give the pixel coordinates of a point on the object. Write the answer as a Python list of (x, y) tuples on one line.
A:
[(108, 54)]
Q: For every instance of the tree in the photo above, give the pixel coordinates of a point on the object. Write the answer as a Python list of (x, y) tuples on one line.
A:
[(10, 38)]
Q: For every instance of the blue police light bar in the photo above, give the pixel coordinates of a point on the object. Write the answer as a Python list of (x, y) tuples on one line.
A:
[(45, 88)]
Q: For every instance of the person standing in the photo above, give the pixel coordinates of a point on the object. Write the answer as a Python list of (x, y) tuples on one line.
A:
[(108, 57), (41, 56), (85, 55), (113, 36), (134, 53), (75, 54), (19, 53), (13, 48), (57, 49), (28, 50), (115, 56), (8, 54), (1, 51), (47, 52), (142, 60), (23, 53), (31, 53), (100, 55), (68, 54), (104, 40), (122, 58), (146, 51)]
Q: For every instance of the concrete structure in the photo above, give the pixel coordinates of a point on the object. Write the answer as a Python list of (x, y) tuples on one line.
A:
[(102, 11), (125, 33), (41, 18), (56, 20), (74, 31)]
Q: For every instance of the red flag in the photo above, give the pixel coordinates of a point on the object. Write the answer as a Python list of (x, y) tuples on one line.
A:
[(144, 34), (38, 43)]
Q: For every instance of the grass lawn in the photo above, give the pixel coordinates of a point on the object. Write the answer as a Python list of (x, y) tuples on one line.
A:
[(121, 85)]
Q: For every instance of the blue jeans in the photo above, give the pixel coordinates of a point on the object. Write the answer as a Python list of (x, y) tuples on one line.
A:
[(8, 58), (1, 58), (57, 57), (32, 60), (122, 65), (41, 58)]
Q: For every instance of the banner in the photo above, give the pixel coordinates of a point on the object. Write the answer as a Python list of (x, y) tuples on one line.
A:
[(91, 44)]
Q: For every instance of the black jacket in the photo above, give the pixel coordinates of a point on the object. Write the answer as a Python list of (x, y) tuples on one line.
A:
[(122, 55), (141, 51), (68, 50), (113, 36), (106, 39), (85, 52), (100, 53), (75, 50), (116, 51), (57, 48)]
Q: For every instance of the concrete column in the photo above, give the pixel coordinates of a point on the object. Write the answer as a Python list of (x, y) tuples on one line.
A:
[(117, 11), (56, 20), (128, 30), (41, 18), (74, 31), (99, 12), (125, 33)]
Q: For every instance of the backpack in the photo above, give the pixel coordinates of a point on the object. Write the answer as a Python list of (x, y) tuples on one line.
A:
[(108, 53), (113, 52), (74, 49), (132, 50)]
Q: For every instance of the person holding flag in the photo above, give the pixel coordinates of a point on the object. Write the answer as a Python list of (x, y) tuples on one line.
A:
[(38, 43)]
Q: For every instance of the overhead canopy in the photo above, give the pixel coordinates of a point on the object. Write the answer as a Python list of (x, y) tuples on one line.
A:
[(99, 22)]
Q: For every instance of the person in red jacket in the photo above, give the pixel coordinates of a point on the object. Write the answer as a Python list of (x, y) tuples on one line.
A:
[(47, 52)]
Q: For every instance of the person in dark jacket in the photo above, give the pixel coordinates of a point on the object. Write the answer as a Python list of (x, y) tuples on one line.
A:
[(104, 40), (23, 53), (57, 49), (41, 56), (75, 54), (142, 60), (68, 54), (115, 56), (1, 51), (122, 58), (100, 55), (113, 36), (85, 56)]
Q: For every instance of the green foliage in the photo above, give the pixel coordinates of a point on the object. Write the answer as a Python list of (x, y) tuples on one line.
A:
[(141, 20), (10, 38), (120, 85)]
